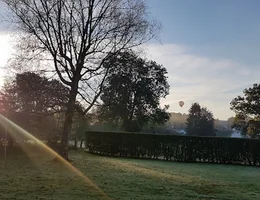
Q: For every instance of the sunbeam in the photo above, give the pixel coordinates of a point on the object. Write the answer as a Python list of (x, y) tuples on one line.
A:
[(139, 169), (20, 134)]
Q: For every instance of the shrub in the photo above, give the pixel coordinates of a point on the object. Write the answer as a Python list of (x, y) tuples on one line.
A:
[(175, 147)]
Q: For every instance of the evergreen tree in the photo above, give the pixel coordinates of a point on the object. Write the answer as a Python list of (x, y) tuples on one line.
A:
[(200, 121)]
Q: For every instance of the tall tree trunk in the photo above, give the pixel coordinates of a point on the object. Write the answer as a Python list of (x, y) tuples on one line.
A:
[(63, 149)]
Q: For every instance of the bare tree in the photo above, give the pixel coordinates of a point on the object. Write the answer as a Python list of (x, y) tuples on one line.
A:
[(78, 36)]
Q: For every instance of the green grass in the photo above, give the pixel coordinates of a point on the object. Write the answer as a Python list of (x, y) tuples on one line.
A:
[(36, 177)]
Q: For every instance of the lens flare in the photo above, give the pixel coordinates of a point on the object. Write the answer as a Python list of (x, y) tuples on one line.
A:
[(18, 133)]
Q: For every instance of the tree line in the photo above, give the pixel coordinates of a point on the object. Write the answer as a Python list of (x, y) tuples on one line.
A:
[(130, 99), (74, 39), (91, 72), (38, 104)]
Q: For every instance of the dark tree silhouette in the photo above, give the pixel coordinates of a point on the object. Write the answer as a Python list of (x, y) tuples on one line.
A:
[(200, 121), (77, 36), (34, 102), (132, 92), (32, 93)]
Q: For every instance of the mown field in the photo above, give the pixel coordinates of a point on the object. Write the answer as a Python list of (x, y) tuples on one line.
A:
[(36, 177)]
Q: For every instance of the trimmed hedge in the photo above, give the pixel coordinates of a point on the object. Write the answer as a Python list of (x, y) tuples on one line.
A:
[(175, 147)]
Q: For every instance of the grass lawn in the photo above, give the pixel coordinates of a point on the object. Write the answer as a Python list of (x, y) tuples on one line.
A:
[(36, 177)]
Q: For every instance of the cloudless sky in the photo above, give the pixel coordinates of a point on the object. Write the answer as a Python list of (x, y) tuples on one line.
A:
[(209, 47), (218, 28)]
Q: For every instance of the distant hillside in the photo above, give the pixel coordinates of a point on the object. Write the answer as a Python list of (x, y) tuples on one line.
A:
[(178, 122)]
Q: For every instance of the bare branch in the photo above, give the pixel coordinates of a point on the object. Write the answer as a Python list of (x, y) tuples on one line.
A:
[(79, 35)]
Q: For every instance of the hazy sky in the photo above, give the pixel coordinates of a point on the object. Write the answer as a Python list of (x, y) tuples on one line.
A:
[(210, 48)]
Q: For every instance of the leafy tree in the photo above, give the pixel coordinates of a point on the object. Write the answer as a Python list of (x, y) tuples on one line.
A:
[(132, 92), (240, 123), (200, 121), (36, 103), (32, 93), (78, 36), (254, 128), (247, 109)]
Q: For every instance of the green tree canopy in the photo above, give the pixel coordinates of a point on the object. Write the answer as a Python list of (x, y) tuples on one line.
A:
[(247, 109), (32, 93), (132, 92), (200, 121), (38, 104)]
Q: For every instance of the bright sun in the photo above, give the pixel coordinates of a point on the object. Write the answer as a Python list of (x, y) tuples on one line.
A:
[(6, 51)]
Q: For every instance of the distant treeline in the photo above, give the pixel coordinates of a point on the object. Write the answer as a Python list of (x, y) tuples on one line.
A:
[(179, 121)]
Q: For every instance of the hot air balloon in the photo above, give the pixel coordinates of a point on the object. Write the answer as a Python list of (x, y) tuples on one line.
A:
[(181, 103)]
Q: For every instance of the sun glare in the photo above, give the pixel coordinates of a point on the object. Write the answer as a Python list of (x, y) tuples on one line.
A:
[(20, 134), (6, 51)]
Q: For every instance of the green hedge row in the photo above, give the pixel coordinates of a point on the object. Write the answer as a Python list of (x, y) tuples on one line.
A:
[(175, 147)]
